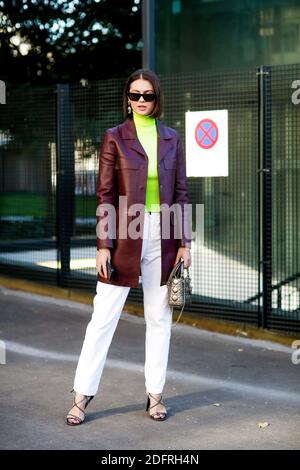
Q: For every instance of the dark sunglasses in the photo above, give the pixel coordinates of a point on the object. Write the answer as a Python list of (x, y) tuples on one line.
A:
[(146, 96)]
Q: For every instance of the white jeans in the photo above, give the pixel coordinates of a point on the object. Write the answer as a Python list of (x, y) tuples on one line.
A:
[(108, 305)]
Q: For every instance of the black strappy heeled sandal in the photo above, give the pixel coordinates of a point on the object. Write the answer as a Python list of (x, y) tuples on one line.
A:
[(161, 415), (86, 399)]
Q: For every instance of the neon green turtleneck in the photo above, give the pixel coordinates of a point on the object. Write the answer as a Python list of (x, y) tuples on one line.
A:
[(147, 135)]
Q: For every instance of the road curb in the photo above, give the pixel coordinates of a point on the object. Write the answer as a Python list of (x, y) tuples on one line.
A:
[(213, 325)]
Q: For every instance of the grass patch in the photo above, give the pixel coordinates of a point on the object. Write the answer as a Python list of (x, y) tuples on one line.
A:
[(35, 204)]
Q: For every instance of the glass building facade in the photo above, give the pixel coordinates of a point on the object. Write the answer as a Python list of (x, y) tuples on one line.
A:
[(207, 54), (203, 35)]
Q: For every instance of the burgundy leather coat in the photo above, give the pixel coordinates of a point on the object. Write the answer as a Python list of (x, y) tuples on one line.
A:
[(123, 167)]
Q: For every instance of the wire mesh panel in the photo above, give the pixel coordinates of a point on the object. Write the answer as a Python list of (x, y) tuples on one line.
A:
[(224, 271), (49, 153), (94, 107), (27, 178), (225, 268), (285, 312)]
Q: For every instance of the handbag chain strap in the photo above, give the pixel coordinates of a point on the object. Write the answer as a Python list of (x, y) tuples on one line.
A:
[(174, 271)]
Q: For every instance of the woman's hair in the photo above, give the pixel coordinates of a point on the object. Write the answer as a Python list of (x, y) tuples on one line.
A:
[(153, 79)]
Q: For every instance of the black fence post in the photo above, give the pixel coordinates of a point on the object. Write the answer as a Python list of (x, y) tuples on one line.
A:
[(65, 183), (148, 27), (265, 194)]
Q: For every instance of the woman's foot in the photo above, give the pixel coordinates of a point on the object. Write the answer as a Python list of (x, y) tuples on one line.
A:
[(76, 414), (157, 409)]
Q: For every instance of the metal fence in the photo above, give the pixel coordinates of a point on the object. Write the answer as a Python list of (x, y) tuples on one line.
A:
[(247, 270)]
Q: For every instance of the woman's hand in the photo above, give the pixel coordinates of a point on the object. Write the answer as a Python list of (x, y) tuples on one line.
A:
[(185, 254), (103, 255)]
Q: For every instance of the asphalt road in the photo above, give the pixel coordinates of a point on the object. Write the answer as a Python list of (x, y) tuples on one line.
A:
[(219, 388)]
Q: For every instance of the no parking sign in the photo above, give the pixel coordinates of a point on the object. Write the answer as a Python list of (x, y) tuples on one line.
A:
[(207, 143)]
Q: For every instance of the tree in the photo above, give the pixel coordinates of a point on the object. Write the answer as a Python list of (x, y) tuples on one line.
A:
[(49, 41)]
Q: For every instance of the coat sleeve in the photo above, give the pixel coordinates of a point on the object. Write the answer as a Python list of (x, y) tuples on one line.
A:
[(105, 193), (181, 197)]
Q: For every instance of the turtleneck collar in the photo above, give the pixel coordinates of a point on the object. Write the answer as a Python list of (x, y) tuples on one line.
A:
[(143, 121)]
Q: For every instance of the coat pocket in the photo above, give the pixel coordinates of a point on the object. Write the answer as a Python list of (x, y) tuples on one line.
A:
[(127, 164), (170, 163)]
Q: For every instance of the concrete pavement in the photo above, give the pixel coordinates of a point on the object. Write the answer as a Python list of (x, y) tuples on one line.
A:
[(219, 388)]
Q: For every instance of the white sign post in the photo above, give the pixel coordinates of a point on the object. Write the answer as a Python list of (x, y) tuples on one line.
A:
[(206, 143)]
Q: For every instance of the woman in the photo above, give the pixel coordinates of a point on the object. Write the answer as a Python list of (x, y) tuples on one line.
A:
[(141, 163)]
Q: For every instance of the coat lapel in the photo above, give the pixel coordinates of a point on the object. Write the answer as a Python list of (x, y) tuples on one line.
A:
[(128, 132), (164, 140)]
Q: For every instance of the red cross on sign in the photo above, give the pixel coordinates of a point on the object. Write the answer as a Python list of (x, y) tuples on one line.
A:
[(206, 133)]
